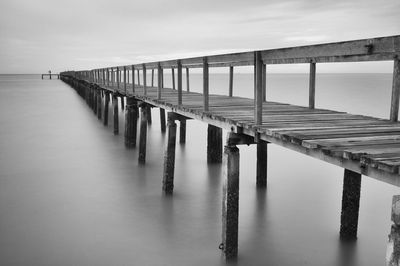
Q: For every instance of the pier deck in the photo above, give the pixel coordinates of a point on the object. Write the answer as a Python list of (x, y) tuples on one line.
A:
[(362, 145), (367, 145)]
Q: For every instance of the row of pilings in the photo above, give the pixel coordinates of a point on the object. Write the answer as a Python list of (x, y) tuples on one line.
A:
[(98, 99)]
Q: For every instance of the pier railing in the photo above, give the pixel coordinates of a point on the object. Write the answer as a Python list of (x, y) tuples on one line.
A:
[(375, 49)]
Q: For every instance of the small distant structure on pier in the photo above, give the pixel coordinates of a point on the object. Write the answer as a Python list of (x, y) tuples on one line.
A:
[(49, 75)]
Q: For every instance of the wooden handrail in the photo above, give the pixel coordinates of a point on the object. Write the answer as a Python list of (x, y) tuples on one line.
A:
[(374, 49)]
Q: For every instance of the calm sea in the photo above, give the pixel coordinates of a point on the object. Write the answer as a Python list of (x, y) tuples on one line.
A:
[(71, 194)]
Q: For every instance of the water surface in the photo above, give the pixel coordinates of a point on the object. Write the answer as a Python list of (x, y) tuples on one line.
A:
[(71, 194)]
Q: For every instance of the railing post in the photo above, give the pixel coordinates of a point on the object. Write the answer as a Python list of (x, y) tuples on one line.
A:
[(152, 77), (104, 76), (264, 82), (133, 79), (138, 77), (173, 78), (179, 82), (108, 77), (259, 88), (144, 80), (230, 81), (311, 99), (125, 79), (187, 79), (160, 81), (205, 85), (118, 78), (394, 106), (112, 78)]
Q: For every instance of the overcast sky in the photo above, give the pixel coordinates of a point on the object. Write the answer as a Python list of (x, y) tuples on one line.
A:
[(36, 36)]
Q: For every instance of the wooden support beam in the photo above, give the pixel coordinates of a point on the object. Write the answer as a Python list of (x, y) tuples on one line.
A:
[(182, 131), (162, 119), (143, 134), (350, 205), (169, 156), (106, 107), (94, 93), (393, 247), (115, 112), (214, 144), (179, 82), (160, 81), (144, 80), (149, 118), (311, 94), (205, 85), (262, 163), (230, 81), (131, 122), (99, 111), (394, 106), (122, 102), (187, 79), (230, 203), (258, 88), (138, 77)]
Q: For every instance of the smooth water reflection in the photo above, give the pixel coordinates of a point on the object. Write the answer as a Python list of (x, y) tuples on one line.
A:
[(71, 194)]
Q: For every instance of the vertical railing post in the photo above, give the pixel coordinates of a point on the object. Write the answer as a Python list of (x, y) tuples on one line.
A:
[(138, 77), (187, 79), (160, 81), (152, 77), (230, 81), (264, 82), (112, 78), (173, 78), (133, 79), (108, 76), (104, 76), (179, 82), (205, 84), (125, 79), (118, 78), (259, 88), (394, 106), (311, 96), (144, 80)]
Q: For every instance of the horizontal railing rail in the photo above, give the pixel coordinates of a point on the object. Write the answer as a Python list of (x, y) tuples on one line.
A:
[(374, 49)]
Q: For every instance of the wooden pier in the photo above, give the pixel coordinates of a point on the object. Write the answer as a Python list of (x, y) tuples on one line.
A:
[(362, 145), (50, 75)]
